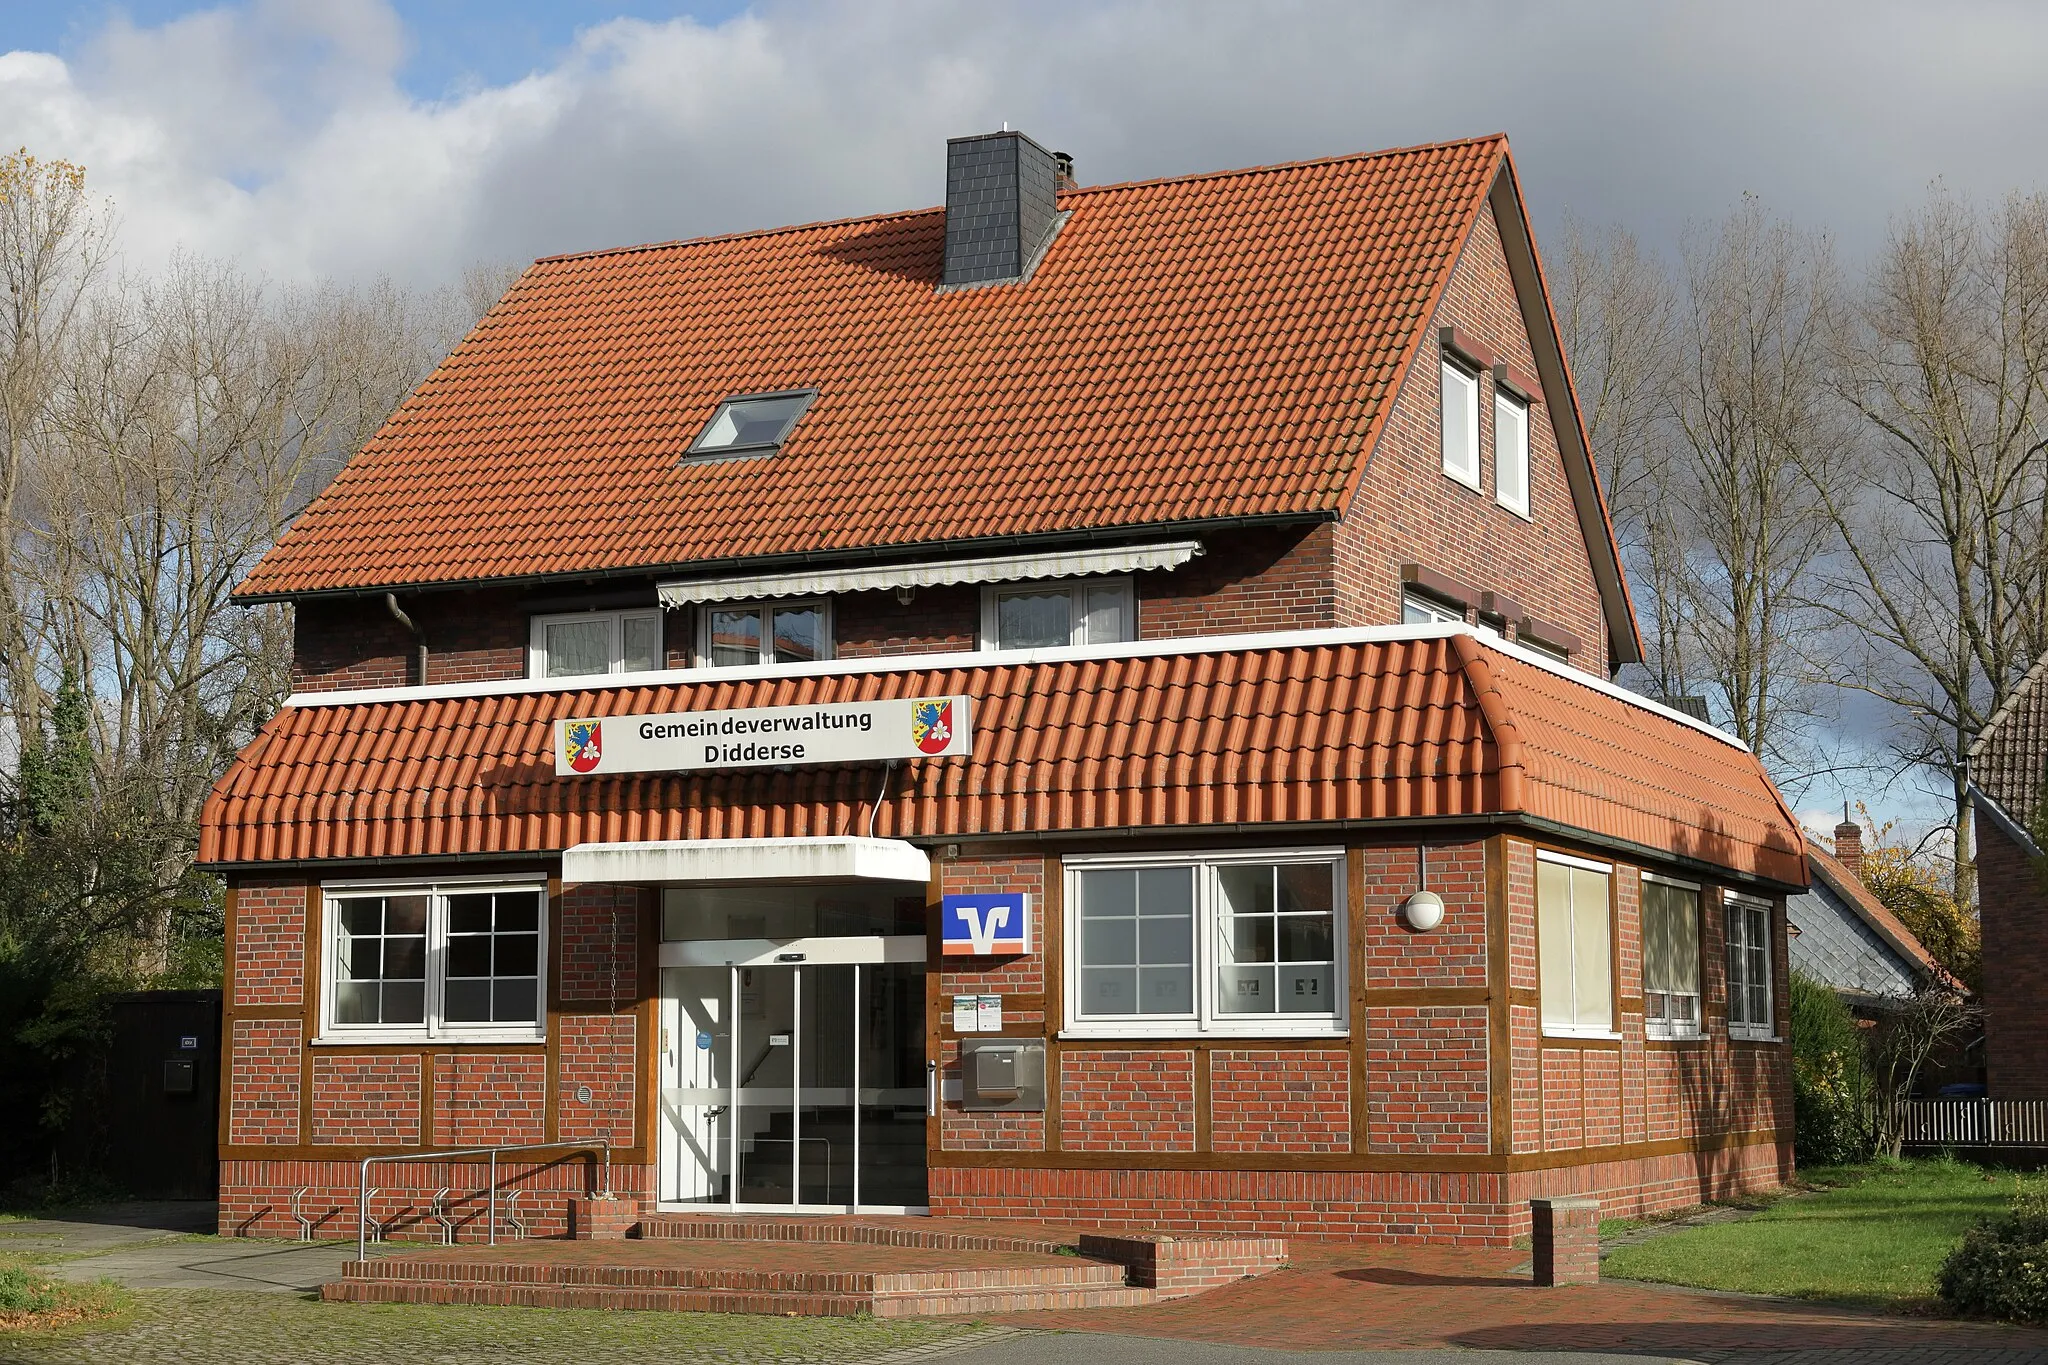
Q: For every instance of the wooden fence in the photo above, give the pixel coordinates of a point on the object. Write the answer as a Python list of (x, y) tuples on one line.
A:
[(1974, 1123)]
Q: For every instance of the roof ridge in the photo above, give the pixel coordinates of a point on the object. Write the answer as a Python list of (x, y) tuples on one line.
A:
[(818, 224), (2012, 699)]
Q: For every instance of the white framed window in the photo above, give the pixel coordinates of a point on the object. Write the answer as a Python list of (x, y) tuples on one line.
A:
[(1511, 452), (1461, 423), (1749, 967), (736, 634), (1671, 957), (1575, 945), (460, 959), (1049, 615), (1418, 610), (576, 644), (1225, 943)]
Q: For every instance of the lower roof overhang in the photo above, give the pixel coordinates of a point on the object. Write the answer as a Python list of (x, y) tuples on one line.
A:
[(683, 862)]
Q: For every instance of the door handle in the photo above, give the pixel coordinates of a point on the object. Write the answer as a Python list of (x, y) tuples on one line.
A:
[(931, 1089)]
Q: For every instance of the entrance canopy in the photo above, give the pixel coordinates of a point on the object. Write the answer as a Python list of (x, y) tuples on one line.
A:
[(656, 862)]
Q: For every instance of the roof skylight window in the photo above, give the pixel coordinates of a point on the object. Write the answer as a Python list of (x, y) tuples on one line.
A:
[(751, 425)]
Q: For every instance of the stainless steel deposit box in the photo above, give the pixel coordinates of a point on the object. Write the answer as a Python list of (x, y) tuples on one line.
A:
[(1002, 1073)]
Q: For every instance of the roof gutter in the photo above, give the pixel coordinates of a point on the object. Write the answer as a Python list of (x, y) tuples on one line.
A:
[(706, 568)]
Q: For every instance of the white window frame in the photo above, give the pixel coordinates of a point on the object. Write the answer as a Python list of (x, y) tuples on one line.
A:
[(1765, 1030), (767, 606), (1431, 610), (1664, 1028), (537, 639), (434, 1029), (1505, 456), (1556, 1030), (1077, 590), (1207, 1020), (1454, 373)]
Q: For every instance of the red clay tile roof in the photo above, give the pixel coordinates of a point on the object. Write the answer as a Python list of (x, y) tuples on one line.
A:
[(1220, 346), (1356, 725)]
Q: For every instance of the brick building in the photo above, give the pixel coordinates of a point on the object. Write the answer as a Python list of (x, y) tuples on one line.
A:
[(1082, 702), (2008, 771)]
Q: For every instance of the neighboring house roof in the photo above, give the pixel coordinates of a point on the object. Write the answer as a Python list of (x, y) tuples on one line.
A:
[(1193, 352), (1849, 940), (1424, 723), (2009, 760)]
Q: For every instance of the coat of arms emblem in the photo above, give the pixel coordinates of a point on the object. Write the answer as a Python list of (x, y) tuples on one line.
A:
[(582, 745), (931, 724)]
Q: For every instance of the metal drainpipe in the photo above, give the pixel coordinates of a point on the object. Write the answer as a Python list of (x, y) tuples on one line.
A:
[(398, 614)]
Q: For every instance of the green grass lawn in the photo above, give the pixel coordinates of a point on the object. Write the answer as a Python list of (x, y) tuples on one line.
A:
[(1874, 1235)]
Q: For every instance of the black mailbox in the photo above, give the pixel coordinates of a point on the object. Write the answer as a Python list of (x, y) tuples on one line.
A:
[(178, 1076)]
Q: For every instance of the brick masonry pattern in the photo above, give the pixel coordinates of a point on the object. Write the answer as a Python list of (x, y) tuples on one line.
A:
[(264, 1066), (599, 943), (270, 943), (1280, 1101), (372, 1100), (1127, 1101), (490, 1097), (597, 1051)]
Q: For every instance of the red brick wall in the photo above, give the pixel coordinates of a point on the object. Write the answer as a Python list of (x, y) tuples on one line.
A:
[(1023, 975), (1426, 1077), (2015, 968), (599, 942), (1278, 579), (1453, 953), (937, 621), (596, 1050), (354, 642), (1275, 1101), (264, 1064), (1408, 510), (269, 943), (366, 1100), (1127, 1101), (489, 1097), (256, 1196)]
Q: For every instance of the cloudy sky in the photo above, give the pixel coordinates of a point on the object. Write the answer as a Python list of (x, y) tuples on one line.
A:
[(412, 137)]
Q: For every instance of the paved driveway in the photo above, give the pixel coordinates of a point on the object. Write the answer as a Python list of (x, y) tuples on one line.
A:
[(171, 1246)]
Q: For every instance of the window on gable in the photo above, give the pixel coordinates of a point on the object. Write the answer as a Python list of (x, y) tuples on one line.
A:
[(434, 961), (1671, 958), (1045, 616), (1749, 968), (1511, 452), (1461, 423), (592, 642), (751, 425), (737, 634), (1575, 945), (1420, 610)]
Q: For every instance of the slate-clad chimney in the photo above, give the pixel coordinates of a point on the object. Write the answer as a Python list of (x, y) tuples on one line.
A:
[(1000, 210)]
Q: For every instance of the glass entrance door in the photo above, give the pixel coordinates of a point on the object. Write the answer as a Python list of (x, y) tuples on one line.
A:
[(795, 1084)]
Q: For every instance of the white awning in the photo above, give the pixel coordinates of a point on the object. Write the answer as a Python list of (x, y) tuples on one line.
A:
[(934, 573), (670, 861)]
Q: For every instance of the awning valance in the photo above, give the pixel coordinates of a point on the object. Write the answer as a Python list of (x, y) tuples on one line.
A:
[(935, 573), (671, 861)]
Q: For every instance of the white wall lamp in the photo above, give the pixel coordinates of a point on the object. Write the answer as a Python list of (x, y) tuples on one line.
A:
[(1424, 910)]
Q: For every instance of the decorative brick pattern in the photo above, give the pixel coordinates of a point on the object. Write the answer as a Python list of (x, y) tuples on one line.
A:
[(1270, 1101), (1116, 1101), (597, 1051), (269, 935), (263, 1079), (1453, 953), (490, 1097), (1427, 1081), (369, 1101), (599, 943)]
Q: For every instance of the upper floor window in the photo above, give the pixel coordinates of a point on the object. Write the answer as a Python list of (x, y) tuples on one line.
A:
[(587, 642), (1047, 616), (735, 634), (1671, 957), (1170, 945), (1511, 452), (1419, 610), (751, 425), (463, 959), (1575, 945), (1461, 423), (1749, 968)]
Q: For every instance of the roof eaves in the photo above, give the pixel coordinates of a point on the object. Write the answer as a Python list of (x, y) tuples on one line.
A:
[(1871, 910), (1988, 805)]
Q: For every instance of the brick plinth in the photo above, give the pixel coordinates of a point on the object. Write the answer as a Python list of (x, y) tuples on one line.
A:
[(1564, 1235), (1178, 1266), (597, 1219)]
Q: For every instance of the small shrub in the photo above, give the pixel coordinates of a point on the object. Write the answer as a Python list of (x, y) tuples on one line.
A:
[(2001, 1268), (1831, 1089), (23, 1290)]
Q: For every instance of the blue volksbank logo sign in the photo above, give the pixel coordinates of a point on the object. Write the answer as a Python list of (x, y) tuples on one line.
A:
[(982, 925)]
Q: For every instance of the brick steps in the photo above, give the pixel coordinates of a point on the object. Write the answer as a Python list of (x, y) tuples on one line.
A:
[(696, 1228), (725, 1301)]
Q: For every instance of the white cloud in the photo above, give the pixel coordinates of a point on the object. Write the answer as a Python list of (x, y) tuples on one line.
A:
[(278, 132)]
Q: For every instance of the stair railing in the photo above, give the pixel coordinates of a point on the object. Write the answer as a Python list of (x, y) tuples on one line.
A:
[(364, 1193)]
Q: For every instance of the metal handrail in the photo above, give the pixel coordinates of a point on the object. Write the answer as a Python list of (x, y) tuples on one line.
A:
[(363, 1191)]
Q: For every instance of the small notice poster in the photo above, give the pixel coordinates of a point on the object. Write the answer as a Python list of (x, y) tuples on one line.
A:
[(966, 1014), (990, 1014)]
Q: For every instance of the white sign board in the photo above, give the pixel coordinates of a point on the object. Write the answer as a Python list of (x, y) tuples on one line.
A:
[(765, 737)]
